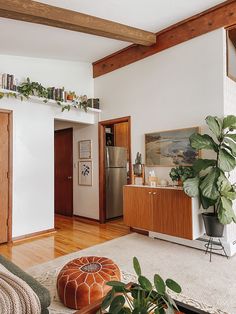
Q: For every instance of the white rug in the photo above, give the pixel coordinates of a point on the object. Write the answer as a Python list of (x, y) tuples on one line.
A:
[(209, 286)]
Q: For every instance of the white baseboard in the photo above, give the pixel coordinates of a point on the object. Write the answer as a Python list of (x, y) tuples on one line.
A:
[(230, 248)]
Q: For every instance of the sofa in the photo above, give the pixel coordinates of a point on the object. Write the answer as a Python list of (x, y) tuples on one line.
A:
[(42, 293)]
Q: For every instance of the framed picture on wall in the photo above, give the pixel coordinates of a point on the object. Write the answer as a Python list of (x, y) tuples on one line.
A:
[(85, 149), (85, 172), (170, 148)]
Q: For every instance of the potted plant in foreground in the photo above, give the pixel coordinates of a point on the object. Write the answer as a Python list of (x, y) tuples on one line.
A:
[(211, 181), (142, 297), (180, 174)]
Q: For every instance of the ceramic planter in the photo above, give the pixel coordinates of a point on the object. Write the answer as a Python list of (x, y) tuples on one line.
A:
[(212, 225)]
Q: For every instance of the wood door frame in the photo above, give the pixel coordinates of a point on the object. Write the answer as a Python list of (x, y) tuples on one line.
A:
[(10, 171), (59, 131), (101, 141)]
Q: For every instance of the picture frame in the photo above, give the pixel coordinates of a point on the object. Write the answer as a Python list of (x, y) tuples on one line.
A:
[(170, 148), (85, 172), (85, 149)]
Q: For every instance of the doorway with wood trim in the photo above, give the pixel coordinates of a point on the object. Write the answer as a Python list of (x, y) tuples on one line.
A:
[(5, 176), (63, 166), (113, 135)]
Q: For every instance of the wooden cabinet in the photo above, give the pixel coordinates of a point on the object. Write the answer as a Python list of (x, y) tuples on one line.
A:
[(162, 210), (172, 213), (138, 209), (121, 137)]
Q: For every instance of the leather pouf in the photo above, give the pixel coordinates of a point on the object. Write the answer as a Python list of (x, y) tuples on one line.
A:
[(83, 281)]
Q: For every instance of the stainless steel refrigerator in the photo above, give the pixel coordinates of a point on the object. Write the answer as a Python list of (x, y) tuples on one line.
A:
[(116, 178)]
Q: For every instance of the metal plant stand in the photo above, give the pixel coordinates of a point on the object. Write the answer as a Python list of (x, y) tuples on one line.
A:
[(212, 246)]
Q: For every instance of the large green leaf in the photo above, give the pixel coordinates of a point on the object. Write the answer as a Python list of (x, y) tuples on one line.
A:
[(108, 299), (159, 311), (226, 161), (145, 283), (229, 122), (225, 212), (136, 266), (215, 125), (208, 186), (231, 136), (204, 141), (117, 304), (202, 164), (159, 284), (173, 285), (230, 145), (206, 202), (191, 187)]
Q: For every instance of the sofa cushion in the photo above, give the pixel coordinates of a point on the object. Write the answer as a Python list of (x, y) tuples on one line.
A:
[(42, 293)]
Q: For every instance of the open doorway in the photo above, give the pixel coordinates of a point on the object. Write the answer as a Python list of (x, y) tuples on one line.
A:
[(5, 176), (114, 166), (63, 171)]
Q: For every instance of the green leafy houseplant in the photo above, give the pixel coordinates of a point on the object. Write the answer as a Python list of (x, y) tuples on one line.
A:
[(181, 173), (211, 181), (142, 297)]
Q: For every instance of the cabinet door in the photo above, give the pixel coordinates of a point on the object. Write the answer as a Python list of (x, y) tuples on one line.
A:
[(121, 134), (172, 213), (138, 207)]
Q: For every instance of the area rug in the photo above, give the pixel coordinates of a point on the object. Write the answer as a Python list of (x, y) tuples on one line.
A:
[(207, 286)]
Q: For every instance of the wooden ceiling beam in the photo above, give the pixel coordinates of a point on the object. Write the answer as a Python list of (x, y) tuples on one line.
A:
[(222, 15), (40, 13)]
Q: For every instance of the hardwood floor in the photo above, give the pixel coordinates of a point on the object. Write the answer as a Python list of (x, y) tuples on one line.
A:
[(72, 234)]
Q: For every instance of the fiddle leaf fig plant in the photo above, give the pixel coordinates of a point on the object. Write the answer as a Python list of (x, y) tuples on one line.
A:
[(142, 297), (211, 176)]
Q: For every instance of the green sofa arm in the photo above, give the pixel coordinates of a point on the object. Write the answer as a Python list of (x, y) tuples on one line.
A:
[(42, 293)]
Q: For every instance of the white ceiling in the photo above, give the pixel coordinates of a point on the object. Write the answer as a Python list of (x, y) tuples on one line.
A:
[(21, 38)]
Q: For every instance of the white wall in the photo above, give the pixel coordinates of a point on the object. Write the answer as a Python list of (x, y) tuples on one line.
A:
[(176, 88), (85, 198), (33, 141)]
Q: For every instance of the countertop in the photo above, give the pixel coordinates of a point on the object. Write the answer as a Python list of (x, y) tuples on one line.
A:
[(170, 187)]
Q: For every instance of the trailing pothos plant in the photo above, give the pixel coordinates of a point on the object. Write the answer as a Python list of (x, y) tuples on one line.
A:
[(28, 88), (211, 181), (142, 297)]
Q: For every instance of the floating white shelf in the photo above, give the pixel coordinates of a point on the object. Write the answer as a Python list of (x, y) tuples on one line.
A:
[(51, 101)]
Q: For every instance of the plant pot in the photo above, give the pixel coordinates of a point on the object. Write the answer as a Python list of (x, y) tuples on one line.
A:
[(180, 182), (70, 97), (137, 169), (212, 225)]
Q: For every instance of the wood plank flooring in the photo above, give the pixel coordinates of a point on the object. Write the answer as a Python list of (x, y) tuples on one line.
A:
[(71, 235)]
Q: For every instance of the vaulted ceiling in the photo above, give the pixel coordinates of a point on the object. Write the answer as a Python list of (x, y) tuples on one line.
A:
[(27, 39)]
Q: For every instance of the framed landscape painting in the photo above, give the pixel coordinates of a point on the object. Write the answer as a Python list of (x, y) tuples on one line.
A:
[(170, 148)]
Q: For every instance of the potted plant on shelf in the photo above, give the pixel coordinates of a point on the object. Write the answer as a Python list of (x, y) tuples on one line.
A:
[(142, 297), (211, 180), (71, 96), (138, 164), (180, 174)]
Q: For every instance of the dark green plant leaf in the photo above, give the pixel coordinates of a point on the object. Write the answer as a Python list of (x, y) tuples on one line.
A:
[(145, 283), (117, 304), (225, 212), (159, 284), (229, 122), (173, 285), (231, 145), (231, 136), (208, 186), (226, 161), (202, 164), (215, 125), (108, 299), (191, 187), (136, 266), (206, 202), (159, 311), (125, 310), (115, 283), (204, 141)]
